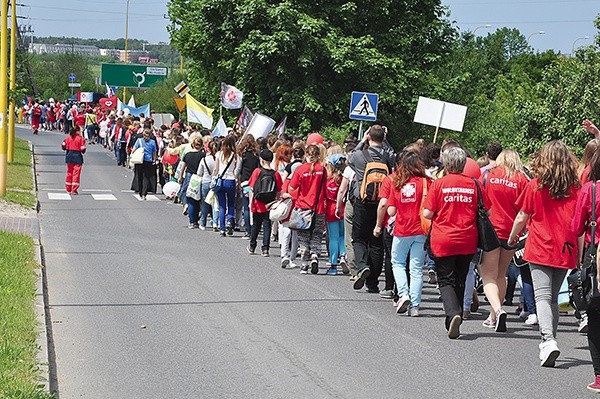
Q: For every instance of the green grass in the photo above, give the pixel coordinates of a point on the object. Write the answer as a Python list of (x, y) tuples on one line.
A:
[(19, 374), (19, 181)]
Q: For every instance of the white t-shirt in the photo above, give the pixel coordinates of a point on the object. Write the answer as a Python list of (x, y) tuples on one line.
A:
[(206, 167), (232, 171)]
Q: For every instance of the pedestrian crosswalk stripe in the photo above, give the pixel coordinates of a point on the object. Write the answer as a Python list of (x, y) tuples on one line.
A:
[(149, 197), (104, 197), (59, 196), (96, 191)]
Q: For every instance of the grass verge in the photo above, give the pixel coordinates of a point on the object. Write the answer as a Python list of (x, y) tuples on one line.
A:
[(19, 181), (19, 373)]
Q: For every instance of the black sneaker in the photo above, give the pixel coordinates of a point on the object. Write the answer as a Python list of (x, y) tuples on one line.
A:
[(265, 253), (454, 327), (250, 249), (222, 234), (314, 264), (230, 229), (304, 269), (361, 276)]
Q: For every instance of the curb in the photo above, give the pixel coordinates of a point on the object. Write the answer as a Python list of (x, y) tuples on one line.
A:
[(46, 356)]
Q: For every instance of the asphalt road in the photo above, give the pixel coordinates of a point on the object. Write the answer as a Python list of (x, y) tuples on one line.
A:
[(143, 307)]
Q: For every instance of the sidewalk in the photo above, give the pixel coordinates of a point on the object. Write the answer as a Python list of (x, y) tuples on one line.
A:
[(16, 219)]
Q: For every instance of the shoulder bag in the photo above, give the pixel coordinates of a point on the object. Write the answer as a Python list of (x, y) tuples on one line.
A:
[(217, 181), (304, 219), (487, 237), (583, 283), (137, 157)]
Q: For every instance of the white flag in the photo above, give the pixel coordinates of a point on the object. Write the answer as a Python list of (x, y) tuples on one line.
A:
[(131, 102), (231, 97), (220, 130)]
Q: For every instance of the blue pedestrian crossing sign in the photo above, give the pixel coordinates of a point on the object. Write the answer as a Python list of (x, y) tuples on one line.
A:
[(363, 106), (72, 77)]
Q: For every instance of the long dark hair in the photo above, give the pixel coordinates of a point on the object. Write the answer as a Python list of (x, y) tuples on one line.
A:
[(228, 147), (73, 131), (408, 164)]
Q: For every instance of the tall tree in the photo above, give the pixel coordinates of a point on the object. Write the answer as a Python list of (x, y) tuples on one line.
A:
[(303, 58)]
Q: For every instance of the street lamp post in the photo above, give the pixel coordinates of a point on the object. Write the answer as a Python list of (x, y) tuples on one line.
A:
[(13, 81), (486, 26), (575, 41), (535, 33)]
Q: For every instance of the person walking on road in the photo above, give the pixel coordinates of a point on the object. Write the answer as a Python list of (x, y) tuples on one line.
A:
[(74, 145), (146, 169), (451, 204), (547, 207)]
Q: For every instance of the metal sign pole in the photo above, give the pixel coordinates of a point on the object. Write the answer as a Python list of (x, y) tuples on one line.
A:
[(360, 131)]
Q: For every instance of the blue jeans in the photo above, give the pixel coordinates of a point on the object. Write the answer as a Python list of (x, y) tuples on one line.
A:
[(184, 187), (207, 208), (527, 289), (226, 197), (193, 210), (403, 248), (337, 247), (246, 206)]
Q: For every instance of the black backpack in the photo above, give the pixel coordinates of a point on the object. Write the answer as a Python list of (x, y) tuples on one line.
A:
[(265, 187)]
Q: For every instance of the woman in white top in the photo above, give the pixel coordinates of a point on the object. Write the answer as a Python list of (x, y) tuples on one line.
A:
[(207, 165), (227, 167)]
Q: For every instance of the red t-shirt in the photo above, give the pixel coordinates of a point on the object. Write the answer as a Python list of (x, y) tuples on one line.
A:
[(585, 174), (453, 200), (503, 192), (583, 212), (332, 188), (550, 242), (407, 201), (305, 186), (385, 191), (80, 120), (256, 205)]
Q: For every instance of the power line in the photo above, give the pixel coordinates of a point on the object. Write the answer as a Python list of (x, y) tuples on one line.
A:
[(526, 22), (520, 3), (95, 11)]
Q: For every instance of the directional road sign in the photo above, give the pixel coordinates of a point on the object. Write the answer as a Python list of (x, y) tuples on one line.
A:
[(363, 106), (72, 77), (133, 75)]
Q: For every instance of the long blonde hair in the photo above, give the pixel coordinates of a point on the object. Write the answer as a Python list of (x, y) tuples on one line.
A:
[(556, 168), (313, 155), (510, 161)]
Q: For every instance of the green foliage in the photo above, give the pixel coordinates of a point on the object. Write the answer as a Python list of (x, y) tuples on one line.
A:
[(19, 373), (304, 58), (51, 72)]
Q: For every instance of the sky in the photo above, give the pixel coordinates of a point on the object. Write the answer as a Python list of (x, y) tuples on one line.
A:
[(563, 22)]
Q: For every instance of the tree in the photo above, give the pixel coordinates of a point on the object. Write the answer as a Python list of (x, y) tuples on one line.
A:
[(303, 58)]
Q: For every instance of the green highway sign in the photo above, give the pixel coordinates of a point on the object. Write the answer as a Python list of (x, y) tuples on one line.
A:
[(132, 75)]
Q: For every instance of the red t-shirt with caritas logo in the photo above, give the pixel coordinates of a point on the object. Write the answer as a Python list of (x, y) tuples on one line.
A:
[(550, 242), (407, 201), (453, 200), (503, 192)]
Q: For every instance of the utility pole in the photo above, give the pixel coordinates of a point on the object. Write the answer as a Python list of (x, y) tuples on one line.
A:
[(3, 90), (13, 80), (22, 45)]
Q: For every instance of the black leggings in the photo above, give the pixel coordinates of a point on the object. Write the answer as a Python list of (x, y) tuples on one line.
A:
[(593, 314)]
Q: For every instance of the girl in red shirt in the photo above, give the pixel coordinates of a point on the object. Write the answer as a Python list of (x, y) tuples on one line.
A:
[(547, 206), (308, 185), (335, 165), (410, 181), (452, 205), (503, 185), (74, 145)]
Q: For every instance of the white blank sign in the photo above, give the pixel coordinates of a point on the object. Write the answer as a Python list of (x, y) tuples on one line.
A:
[(440, 114)]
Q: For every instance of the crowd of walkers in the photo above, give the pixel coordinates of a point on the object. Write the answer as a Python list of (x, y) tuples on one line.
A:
[(397, 213)]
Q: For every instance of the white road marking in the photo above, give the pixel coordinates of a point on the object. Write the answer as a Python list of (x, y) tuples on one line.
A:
[(59, 196), (104, 197), (149, 197), (127, 191), (97, 191)]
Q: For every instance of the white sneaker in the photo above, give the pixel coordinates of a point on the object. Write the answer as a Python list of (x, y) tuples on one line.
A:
[(403, 304), (292, 265), (532, 320), (583, 324), (549, 352), (285, 262)]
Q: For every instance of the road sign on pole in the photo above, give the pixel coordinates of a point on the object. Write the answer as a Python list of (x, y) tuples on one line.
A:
[(72, 77), (363, 106), (182, 89), (132, 75)]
